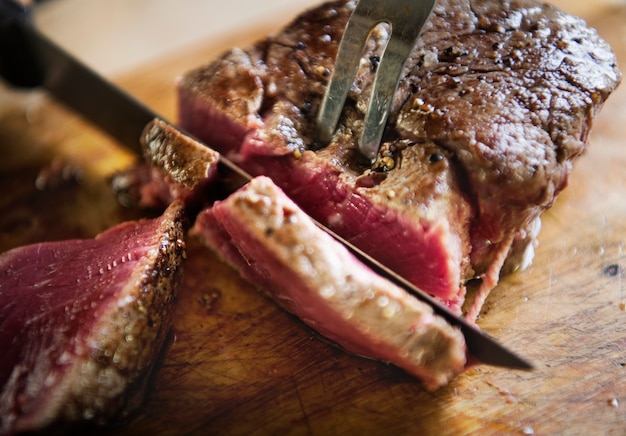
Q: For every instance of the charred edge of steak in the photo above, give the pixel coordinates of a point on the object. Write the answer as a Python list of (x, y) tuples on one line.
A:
[(137, 332), (97, 375), (184, 161), (276, 246)]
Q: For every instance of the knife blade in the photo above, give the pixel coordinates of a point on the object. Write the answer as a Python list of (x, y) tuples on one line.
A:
[(123, 117)]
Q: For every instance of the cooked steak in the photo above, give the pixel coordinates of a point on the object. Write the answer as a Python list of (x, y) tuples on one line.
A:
[(175, 167), (494, 104), (261, 233), (275, 245), (82, 322)]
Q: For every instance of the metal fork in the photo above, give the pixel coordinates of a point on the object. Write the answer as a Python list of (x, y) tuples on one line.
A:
[(406, 19)]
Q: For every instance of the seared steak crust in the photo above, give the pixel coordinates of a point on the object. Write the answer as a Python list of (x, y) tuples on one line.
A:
[(495, 102), (175, 167)]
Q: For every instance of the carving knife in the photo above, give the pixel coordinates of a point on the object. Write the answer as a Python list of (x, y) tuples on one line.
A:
[(29, 59)]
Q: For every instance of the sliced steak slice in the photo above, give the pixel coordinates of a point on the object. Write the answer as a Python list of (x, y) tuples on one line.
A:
[(495, 102), (82, 322), (175, 167), (276, 246)]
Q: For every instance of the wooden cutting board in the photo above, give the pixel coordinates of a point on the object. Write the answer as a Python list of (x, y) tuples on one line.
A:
[(237, 364)]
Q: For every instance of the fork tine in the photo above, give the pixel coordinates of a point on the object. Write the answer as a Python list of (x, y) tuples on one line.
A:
[(406, 18), (406, 28), (346, 64)]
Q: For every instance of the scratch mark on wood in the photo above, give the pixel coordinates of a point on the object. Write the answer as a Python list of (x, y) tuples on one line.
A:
[(619, 275), (301, 403), (548, 297)]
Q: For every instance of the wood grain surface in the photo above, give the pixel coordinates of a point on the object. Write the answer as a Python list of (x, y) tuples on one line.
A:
[(237, 364)]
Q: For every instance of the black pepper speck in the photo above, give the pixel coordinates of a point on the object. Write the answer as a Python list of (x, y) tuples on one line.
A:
[(435, 157), (612, 270)]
